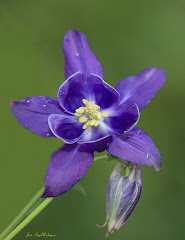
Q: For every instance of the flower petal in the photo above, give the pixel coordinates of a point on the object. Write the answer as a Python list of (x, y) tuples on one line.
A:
[(33, 113), (123, 193), (66, 127), (102, 93), (111, 188), (129, 201), (68, 165), (79, 56), (91, 88), (136, 146), (99, 146), (95, 134), (141, 88), (123, 119)]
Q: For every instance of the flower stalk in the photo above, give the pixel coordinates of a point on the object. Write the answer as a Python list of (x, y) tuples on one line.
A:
[(22, 221), (22, 214), (25, 222)]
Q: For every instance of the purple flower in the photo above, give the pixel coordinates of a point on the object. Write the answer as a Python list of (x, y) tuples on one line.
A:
[(89, 115), (123, 192)]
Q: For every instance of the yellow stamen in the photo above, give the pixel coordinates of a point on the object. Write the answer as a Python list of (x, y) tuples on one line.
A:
[(104, 114), (78, 114), (87, 124), (93, 121), (96, 123), (90, 114), (80, 110), (85, 101), (83, 119), (98, 115)]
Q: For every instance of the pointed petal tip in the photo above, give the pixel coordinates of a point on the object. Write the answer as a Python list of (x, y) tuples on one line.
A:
[(71, 31), (158, 168), (109, 231), (12, 103), (68, 33), (118, 225), (72, 34), (163, 72), (155, 70), (108, 234), (156, 162)]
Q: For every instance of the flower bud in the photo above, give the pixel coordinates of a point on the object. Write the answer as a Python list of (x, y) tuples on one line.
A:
[(123, 192)]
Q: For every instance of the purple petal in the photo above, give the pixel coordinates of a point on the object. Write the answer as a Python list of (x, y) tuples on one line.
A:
[(70, 130), (102, 93), (33, 113), (95, 134), (68, 165), (112, 186), (123, 193), (67, 128), (136, 146), (78, 55), (129, 201), (99, 146), (123, 119), (130, 196), (141, 88), (91, 88)]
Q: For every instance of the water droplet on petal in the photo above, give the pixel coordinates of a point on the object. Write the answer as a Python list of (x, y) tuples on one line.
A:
[(47, 134), (125, 132), (26, 125), (44, 105), (138, 132), (77, 54)]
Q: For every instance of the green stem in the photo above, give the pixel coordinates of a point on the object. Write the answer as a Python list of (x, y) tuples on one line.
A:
[(13, 229), (29, 218), (22, 214), (105, 156)]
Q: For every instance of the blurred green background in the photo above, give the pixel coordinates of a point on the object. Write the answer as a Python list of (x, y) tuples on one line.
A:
[(127, 36)]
